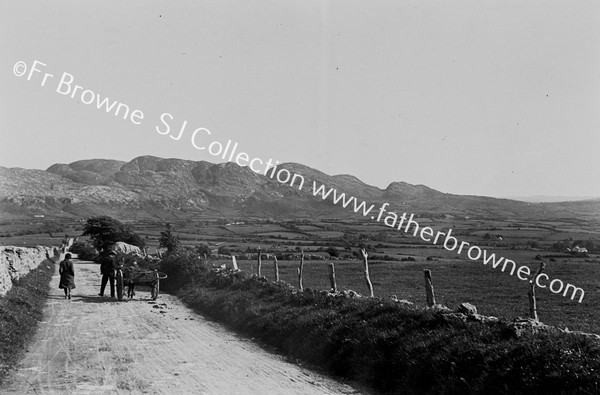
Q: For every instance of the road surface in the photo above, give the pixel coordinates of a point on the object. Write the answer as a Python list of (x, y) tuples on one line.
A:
[(97, 345)]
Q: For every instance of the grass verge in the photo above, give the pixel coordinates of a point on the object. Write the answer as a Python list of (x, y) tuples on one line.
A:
[(397, 349), (21, 309)]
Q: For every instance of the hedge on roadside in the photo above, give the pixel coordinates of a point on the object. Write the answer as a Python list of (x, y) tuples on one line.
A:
[(390, 347), (21, 310)]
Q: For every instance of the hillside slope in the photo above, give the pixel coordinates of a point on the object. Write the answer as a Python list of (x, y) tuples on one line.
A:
[(150, 187)]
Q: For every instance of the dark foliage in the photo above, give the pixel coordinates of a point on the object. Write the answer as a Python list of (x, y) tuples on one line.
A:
[(203, 250), (185, 266), (332, 251), (392, 348), (105, 231), (223, 250), (84, 250), (168, 240), (20, 312)]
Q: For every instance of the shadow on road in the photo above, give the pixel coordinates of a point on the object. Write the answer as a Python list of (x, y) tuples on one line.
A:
[(94, 299), (85, 262), (101, 299)]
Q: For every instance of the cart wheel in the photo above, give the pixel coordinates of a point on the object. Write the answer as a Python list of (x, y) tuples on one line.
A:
[(119, 285), (155, 290)]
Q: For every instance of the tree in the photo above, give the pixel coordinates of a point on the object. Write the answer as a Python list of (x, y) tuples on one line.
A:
[(203, 249), (105, 231), (84, 250), (333, 252), (349, 240), (588, 244), (168, 240), (561, 245), (223, 250)]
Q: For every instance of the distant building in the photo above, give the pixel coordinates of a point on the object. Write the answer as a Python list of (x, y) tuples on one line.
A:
[(579, 250)]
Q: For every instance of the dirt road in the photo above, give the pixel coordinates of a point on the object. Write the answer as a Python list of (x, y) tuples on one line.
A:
[(95, 345)]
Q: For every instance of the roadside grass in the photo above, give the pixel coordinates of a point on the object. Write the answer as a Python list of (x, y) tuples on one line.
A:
[(492, 291), (21, 309), (396, 349)]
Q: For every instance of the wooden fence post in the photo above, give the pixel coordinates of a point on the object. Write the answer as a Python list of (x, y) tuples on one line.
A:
[(531, 292), (300, 269), (367, 277), (276, 267), (332, 277), (429, 288), (234, 263), (259, 263)]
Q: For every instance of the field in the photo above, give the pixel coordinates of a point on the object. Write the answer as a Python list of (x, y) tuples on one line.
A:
[(491, 291), (397, 260)]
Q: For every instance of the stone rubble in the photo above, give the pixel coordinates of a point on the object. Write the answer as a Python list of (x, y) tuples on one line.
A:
[(467, 308)]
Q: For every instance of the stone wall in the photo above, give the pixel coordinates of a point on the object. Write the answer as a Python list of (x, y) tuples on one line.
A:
[(18, 261)]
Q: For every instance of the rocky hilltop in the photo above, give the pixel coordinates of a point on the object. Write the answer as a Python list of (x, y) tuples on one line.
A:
[(152, 187)]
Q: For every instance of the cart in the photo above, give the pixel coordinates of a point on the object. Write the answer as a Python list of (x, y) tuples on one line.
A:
[(132, 276)]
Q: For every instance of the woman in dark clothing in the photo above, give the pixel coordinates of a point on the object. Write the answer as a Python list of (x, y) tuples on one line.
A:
[(67, 276)]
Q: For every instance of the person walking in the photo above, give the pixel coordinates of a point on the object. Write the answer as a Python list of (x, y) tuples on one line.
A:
[(108, 264), (67, 276)]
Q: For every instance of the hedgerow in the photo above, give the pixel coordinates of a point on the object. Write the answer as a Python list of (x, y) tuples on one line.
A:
[(21, 310), (391, 347)]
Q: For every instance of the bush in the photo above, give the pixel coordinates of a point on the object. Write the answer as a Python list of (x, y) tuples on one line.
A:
[(52, 227), (183, 267), (561, 245), (224, 250), (333, 252), (382, 258), (203, 249), (84, 250), (168, 240)]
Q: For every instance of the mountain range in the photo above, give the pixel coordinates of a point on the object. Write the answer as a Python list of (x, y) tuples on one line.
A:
[(150, 187)]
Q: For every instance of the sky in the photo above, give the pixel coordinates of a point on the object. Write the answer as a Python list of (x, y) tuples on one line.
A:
[(493, 98)]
